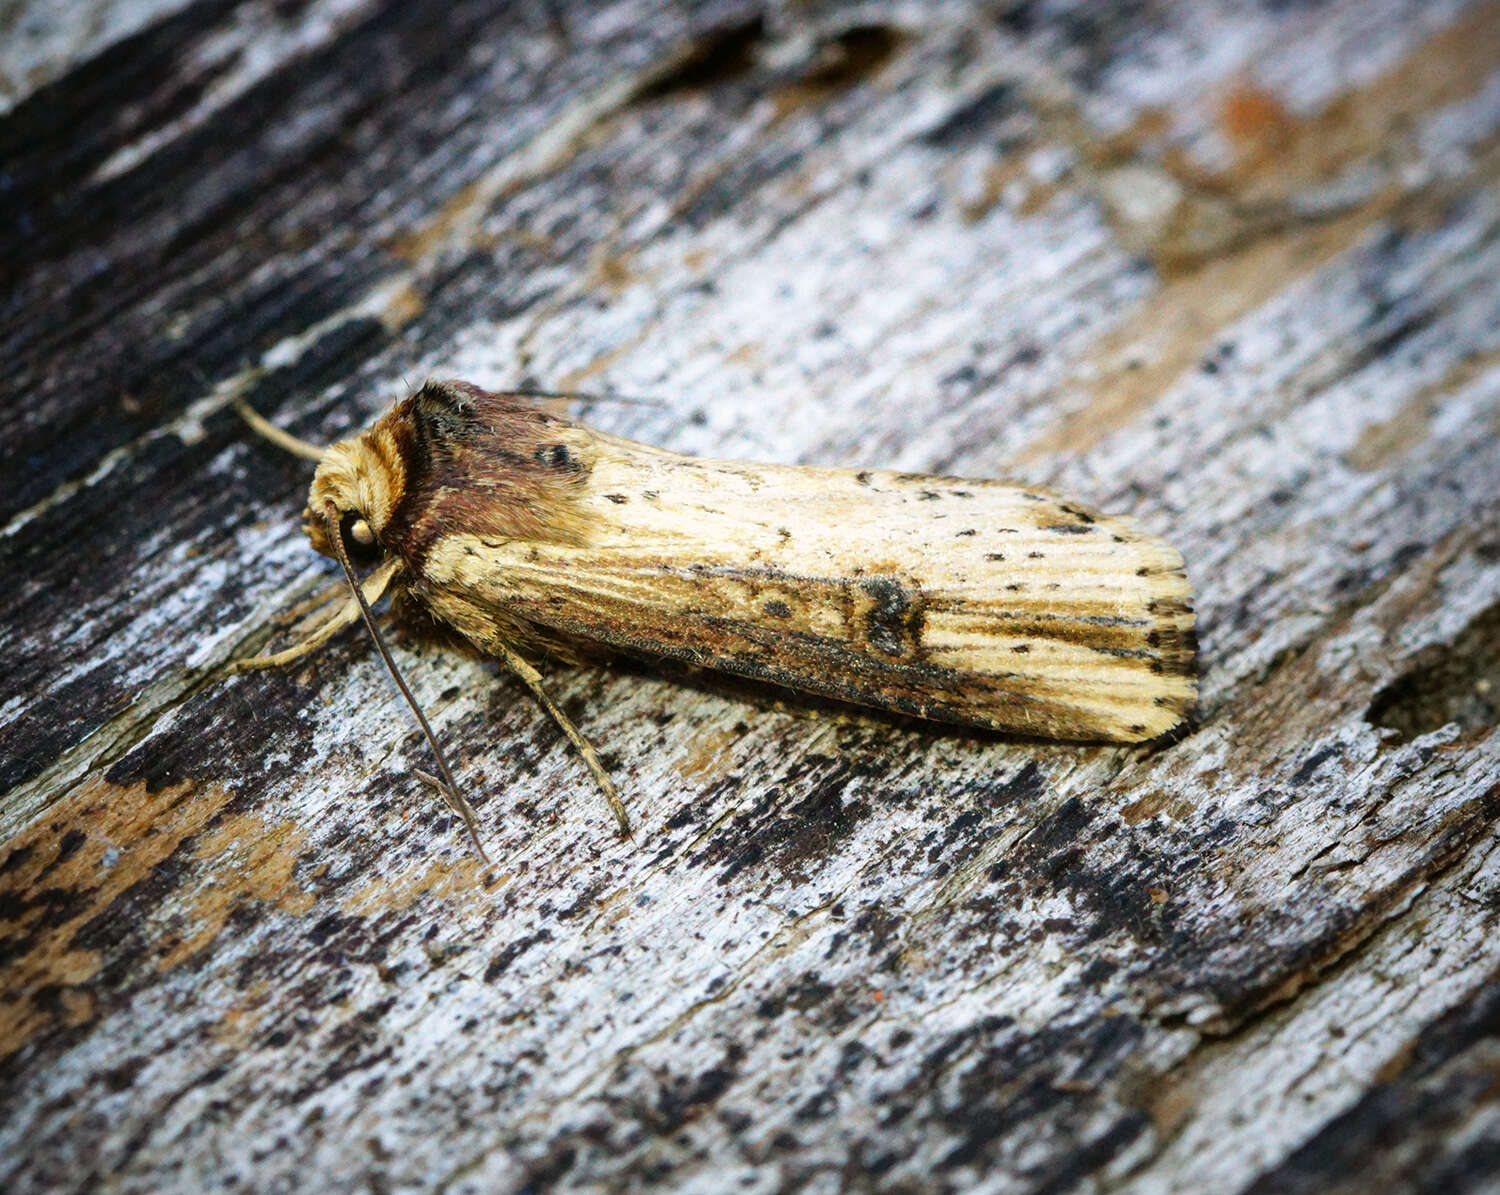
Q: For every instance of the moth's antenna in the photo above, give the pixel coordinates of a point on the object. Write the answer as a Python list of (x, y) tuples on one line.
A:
[(448, 787), (282, 439), (580, 396)]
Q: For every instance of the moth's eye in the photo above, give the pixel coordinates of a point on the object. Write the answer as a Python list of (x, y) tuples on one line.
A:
[(359, 538)]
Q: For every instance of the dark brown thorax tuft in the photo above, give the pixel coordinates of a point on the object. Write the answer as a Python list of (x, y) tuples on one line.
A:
[(484, 464)]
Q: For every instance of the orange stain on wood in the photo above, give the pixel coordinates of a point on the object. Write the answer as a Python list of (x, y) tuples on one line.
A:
[(1226, 252), (455, 225), (708, 755), (68, 879), (1153, 803), (1174, 330), (1381, 443), (250, 860), (750, 354), (66, 871), (615, 272), (242, 1020), (998, 177), (577, 379), (451, 879), (1257, 124), (404, 304), (1281, 152)]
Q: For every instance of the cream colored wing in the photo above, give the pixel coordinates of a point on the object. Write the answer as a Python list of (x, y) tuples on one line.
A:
[(977, 602)]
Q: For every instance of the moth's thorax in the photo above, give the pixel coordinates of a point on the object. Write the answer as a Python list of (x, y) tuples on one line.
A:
[(468, 462), (364, 475)]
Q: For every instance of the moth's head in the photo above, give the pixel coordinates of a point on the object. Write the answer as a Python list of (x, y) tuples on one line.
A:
[(358, 485)]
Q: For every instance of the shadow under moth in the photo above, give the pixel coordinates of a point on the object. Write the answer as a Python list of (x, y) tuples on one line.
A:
[(528, 536)]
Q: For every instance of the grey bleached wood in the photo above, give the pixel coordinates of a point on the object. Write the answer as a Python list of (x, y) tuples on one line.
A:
[(1231, 269)]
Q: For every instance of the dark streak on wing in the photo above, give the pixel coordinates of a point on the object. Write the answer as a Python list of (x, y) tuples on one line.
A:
[(718, 617), (894, 621), (824, 666)]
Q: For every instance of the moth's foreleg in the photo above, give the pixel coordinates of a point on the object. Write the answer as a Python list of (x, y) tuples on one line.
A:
[(533, 680), (346, 615)]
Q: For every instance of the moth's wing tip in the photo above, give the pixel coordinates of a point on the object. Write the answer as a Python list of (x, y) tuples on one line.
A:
[(1173, 634), (1166, 712)]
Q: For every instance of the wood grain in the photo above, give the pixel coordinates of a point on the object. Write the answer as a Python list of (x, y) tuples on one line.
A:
[(1232, 270)]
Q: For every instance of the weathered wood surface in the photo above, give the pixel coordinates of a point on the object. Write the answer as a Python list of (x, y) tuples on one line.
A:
[(1231, 268)]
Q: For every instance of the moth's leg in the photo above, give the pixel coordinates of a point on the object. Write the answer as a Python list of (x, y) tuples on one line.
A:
[(374, 588), (533, 680), (457, 802), (347, 615), (331, 594)]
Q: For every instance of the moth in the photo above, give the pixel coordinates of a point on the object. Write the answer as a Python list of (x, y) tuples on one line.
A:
[(530, 536)]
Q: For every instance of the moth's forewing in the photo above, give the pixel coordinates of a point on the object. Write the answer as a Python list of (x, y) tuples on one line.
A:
[(969, 601)]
